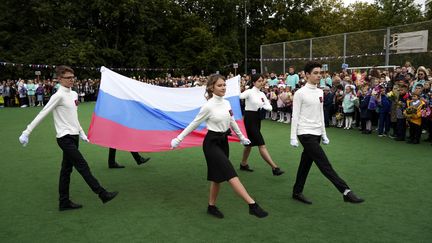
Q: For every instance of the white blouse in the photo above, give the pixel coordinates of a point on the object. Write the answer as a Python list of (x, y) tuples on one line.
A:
[(255, 99), (218, 116)]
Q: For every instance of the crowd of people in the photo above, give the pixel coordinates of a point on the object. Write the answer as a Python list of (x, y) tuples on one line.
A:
[(34, 92), (392, 102), (30, 93)]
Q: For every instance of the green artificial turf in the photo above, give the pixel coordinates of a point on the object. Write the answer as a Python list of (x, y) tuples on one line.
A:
[(165, 200)]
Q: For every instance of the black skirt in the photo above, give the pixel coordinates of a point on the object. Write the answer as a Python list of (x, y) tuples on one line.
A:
[(216, 152), (252, 123)]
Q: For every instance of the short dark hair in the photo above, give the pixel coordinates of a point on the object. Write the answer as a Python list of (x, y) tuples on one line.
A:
[(311, 65), (60, 70), (255, 77), (419, 85)]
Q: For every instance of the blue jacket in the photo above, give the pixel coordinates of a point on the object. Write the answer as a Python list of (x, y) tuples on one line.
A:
[(385, 104)]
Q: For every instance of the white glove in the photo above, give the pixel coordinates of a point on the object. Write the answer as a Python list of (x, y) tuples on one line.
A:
[(294, 142), (24, 139), (325, 139), (245, 141), (83, 136), (175, 143)]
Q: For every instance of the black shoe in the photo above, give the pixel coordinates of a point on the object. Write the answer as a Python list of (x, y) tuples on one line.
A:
[(69, 206), (399, 139), (410, 141), (301, 198), (213, 210), (352, 198), (245, 168), (115, 165), (142, 160), (255, 209), (277, 171), (107, 196)]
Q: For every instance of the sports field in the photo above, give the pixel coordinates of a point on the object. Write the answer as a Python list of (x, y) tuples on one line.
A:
[(165, 200)]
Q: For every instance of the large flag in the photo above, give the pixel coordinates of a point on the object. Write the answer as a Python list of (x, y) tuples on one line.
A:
[(138, 117)]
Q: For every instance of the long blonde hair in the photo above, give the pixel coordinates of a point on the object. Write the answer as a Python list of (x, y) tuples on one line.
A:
[(211, 83)]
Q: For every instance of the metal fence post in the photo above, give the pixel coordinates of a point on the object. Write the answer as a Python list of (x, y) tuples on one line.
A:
[(261, 55), (283, 43), (387, 55), (310, 49), (344, 48)]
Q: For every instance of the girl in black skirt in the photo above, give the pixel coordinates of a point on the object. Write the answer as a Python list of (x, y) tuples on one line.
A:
[(256, 102), (218, 116)]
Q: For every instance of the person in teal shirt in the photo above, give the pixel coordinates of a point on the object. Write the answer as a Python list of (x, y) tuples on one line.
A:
[(273, 80), (31, 90), (421, 78), (292, 79), (325, 80)]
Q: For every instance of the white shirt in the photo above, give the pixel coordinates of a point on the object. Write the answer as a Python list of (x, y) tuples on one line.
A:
[(307, 112), (64, 104), (218, 116), (255, 99)]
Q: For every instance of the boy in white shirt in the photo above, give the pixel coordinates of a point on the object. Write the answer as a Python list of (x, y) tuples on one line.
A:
[(309, 127), (64, 105)]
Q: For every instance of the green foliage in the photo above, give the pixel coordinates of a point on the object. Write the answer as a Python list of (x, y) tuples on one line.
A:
[(190, 34)]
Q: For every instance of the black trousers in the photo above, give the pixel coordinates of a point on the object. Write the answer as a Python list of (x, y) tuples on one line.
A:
[(112, 155), (415, 132), (73, 158), (312, 152), (401, 128), (327, 116)]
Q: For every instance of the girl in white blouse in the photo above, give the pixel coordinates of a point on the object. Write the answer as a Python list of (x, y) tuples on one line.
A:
[(256, 102), (219, 118)]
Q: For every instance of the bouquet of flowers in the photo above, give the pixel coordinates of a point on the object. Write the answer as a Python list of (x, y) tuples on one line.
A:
[(391, 96), (339, 116), (410, 112), (426, 113), (400, 104)]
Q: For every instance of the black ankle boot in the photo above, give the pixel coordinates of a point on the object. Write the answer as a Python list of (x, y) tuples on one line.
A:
[(277, 171), (213, 210), (255, 209), (352, 198), (115, 165), (142, 160), (107, 196), (245, 168)]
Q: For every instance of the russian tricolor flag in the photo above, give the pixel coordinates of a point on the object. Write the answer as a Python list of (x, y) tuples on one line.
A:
[(138, 117)]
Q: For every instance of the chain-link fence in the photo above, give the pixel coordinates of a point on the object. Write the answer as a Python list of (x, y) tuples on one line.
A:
[(356, 49)]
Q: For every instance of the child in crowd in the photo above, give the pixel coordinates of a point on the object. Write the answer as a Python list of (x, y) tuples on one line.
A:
[(348, 105), (413, 115), (339, 96), (365, 113), (273, 101), (384, 106), (281, 104), (393, 97), (400, 117), (40, 94)]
